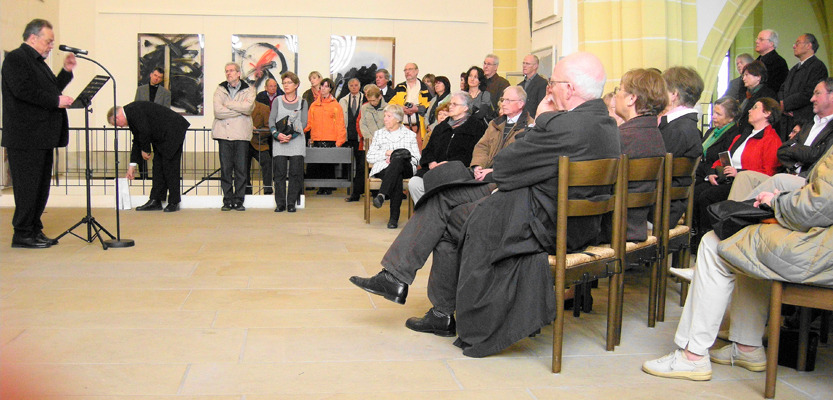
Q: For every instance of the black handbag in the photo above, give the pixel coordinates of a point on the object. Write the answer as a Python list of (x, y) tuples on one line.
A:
[(400, 153), (728, 217)]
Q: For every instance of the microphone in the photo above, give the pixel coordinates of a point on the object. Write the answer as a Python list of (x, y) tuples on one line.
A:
[(68, 49)]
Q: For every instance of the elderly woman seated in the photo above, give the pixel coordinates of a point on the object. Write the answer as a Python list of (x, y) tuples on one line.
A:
[(795, 249), (395, 155)]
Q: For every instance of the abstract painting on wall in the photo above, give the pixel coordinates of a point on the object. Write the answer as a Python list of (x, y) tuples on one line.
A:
[(264, 57), (359, 57), (182, 58)]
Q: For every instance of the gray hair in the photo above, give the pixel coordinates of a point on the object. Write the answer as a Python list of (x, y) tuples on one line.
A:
[(494, 57), (773, 37), (384, 71), (236, 66), (466, 99), (814, 43), (396, 110), (745, 58), (34, 27), (519, 91), (587, 86)]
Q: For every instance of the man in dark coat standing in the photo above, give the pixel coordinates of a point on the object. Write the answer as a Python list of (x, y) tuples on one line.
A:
[(155, 129), (776, 66), (535, 85), (797, 90), (34, 122)]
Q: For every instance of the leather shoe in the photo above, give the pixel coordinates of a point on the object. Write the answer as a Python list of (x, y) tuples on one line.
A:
[(379, 200), (29, 243), (384, 284), (351, 199), (432, 323), (280, 208), (171, 207), (239, 207), (290, 208), (226, 207), (392, 225), (43, 238), (151, 205)]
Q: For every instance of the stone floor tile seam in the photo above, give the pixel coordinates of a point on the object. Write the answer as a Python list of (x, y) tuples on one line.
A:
[(243, 346), (214, 321), (185, 300), (9, 294), (453, 375), (184, 378)]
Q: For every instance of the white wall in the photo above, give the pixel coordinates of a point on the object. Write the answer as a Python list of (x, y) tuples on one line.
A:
[(443, 37), (707, 12)]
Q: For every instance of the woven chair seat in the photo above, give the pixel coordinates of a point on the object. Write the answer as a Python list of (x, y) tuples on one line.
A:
[(631, 246), (678, 230), (598, 253)]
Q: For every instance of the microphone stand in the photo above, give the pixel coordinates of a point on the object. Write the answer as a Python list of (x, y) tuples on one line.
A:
[(117, 242)]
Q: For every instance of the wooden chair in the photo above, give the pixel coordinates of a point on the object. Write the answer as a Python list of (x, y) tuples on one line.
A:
[(595, 262), (371, 183), (677, 240), (797, 294), (647, 252)]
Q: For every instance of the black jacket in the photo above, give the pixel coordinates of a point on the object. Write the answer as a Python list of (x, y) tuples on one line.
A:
[(776, 68), (448, 144), (712, 153), (682, 138), (536, 89), (794, 153), (152, 124), (31, 117)]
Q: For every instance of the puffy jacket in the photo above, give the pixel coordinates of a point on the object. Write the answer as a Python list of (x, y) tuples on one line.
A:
[(371, 119), (233, 117), (325, 122), (799, 248)]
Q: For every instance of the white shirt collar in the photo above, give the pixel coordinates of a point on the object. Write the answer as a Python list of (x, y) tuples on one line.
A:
[(679, 112)]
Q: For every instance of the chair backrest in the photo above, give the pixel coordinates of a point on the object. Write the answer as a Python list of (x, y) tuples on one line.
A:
[(651, 169), (679, 168), (604, 172)]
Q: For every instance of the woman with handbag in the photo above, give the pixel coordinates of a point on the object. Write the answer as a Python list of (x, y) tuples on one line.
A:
[(753, 149), (287, 121), (394, 154)]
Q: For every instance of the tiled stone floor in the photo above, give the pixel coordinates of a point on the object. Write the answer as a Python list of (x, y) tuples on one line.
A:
[(257, 305)]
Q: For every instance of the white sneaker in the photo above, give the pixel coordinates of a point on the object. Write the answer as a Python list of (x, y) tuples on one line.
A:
[(676, 365), (683, 273), (730, 355)]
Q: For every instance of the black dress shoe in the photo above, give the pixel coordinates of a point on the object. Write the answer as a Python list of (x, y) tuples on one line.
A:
[(171, 207), (239, 207), (433, 323), (384, 284), (29, 243), (379, 200), (280, 208), (351, 199), (43, 238), (226, 207), (290, 208), (151, 205), (321, 191), (267, 191), (393, 225)]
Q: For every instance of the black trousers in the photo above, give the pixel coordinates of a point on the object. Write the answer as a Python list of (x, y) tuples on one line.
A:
[(31, 170), (296, 179), (166, 177), (358, 179), (706, 194), (434, 228), (391, 187), (264, 158)]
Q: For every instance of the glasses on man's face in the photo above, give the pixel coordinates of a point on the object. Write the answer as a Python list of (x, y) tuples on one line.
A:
[(47, 42), (488, 64), (616, 90), (410, 69), (799, 43), (553, 83), (526, 64), (509, 100)]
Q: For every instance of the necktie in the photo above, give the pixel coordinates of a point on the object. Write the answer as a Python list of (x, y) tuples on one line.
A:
[(353, 103)]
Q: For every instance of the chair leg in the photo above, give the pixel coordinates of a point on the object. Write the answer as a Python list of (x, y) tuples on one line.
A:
[(825, 326), (663, 287), (620, 300), (803, 338), (774, 327), (558, 324), (653, 292), (612, 310)]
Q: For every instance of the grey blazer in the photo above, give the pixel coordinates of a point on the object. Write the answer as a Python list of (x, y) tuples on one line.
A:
[(163, 96)]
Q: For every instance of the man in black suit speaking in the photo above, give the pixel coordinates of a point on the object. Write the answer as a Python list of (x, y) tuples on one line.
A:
[(157, 129), (34, 122)]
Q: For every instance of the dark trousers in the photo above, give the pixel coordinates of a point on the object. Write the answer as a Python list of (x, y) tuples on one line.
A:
[(234, 159), (296, 179), (706, 194), (391, 187), (31, 170), (264, 158), (166, 177), (434, 228), (358, 178)]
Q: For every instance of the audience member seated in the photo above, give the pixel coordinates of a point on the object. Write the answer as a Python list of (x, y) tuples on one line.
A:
[(442, 95), (754, 79), (326, 128), (610, 102), (395, 156), (640, 96), (679, 126), (716, 141), (796, 249), (799, 154), (750, 150), (442, 115), (501, 132), (736, 88), (481, 99), (498, 280), (288, 147), (451, 140)]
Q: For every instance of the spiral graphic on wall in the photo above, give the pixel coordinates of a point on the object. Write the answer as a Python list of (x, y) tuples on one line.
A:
[(342, 49)]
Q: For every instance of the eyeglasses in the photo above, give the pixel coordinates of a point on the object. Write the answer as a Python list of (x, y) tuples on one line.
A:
[(799, 43), (553, 83), (489, 64), (616, 90), (509, 100), (410, 69), (48, 42), (452, 104), (526, 64)]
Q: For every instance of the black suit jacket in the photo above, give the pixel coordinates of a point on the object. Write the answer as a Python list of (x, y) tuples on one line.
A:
[(31, 117), (798, 88), (536, 89), (776, 68), (153, 124), (794, 153)]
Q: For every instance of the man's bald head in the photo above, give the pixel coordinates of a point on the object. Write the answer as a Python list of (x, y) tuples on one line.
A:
[(577, 78)]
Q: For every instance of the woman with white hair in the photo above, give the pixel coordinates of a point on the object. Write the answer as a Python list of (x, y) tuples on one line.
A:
[(394, 154)]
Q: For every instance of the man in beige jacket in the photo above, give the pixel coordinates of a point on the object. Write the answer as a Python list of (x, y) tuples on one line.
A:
[(233, 104)]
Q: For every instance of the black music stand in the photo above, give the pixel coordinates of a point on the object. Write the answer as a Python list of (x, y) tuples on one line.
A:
[(84, 100)]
